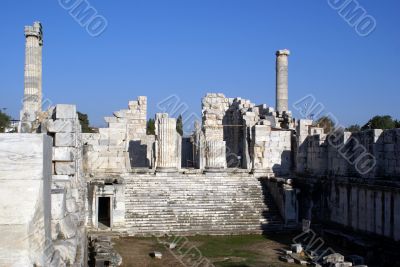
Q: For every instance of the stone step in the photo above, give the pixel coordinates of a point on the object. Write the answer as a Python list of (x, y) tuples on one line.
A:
[(203, 205)]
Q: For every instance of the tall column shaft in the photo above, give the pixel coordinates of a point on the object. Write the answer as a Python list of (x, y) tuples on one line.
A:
[(167, 142), (32, 102), (33, 68), (282, 82)]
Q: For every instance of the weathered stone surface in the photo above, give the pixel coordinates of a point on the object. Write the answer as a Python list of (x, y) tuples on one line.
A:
[(25, 199), (32, 102), (61, 178), (166, 136), (17, 158), (282, 80), (65, 168), (65, 139), (63, 153), (60, 126), (64, 111), (58, 204), (203, 204)]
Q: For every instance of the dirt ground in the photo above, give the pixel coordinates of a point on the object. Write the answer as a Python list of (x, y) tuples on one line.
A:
[(222, 251)]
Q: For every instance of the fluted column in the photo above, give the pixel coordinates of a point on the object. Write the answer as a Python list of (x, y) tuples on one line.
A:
[(32, 102), (282, 93), (166, 143), (215, 155)]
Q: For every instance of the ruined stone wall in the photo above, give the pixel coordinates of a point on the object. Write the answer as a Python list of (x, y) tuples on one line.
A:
[(272, 149), (247, 132), (354, 179), (242, 114), (68, 186), (285, 197), (302, 132), (317, 156), (366, 154), (214, 107), (48, 225), (279, 154), (123, 145), (365, 207)]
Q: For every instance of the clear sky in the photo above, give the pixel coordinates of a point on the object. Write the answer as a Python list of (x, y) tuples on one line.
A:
[(190, 47)]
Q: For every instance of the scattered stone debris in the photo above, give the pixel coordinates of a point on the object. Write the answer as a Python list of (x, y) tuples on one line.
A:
[(286, 252), (102, 252), (299, 260), (156, 254), (333, 258), (286, 258), (312, 258), (297, 248)]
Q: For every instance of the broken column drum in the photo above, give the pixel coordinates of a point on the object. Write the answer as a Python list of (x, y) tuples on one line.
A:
[(216, 155)]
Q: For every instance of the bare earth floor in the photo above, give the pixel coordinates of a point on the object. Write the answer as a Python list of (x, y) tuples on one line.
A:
[(222, 251)]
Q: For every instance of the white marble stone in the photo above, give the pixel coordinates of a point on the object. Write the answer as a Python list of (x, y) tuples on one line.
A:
[(25, 199), (64, 111), (63, 153), (65, 168), (60, 126), (65, 139)]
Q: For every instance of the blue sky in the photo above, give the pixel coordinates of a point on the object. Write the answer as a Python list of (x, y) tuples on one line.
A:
[(190, 47)]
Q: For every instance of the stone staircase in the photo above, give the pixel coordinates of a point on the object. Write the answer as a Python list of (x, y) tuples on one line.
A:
[(198, 204)]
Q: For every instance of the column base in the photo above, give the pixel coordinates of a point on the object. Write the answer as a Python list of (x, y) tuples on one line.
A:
[(214, 169), (166, 169)]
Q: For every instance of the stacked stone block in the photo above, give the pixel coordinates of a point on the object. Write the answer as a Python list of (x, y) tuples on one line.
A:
[(279, 151), (302, 132), (124, 144), (317, 156), (391, 151), (367, 154), (337, 145), (214, 107), (68, 195), (238, 120), (261, 136)]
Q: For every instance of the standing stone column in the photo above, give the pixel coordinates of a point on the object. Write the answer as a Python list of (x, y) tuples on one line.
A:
[(282, 80), (215, 155), (214, 107), (32, 102), (166, 136)]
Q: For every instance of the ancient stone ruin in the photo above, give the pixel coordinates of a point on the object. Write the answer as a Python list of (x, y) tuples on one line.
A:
[(246, 168)]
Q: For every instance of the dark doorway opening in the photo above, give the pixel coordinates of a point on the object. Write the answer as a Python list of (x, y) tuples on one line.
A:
[(104, 213)]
